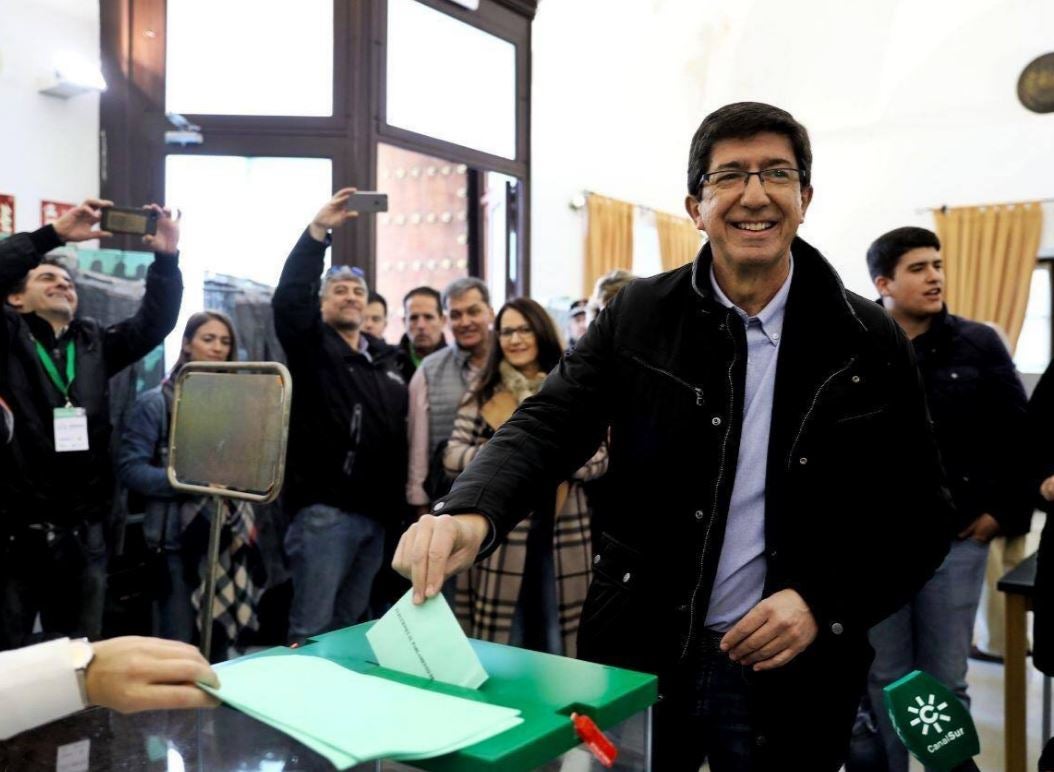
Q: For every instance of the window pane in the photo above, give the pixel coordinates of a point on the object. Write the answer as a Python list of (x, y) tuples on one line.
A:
[(1034, 344), (250, 57), (241, 216), (449, 80), (498, 244), (423, 238)]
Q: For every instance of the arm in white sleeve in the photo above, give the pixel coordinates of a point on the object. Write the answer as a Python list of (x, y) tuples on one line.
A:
[(38, 684), (417, 428)]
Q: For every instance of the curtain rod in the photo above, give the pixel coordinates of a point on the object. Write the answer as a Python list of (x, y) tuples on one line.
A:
[(578, 202), (945, 207)]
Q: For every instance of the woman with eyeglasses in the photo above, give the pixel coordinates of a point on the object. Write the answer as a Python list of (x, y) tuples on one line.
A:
[(529, 592), (176, 526)]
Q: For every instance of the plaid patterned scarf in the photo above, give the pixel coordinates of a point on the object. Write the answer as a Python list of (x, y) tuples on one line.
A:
[(240, 574), (487, 595)]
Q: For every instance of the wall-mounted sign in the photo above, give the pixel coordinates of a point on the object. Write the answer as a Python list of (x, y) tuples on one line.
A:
[(53, 210), (1035, 87), (7, 215)]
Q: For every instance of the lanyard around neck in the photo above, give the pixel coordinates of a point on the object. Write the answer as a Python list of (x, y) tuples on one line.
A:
[(53, 372)]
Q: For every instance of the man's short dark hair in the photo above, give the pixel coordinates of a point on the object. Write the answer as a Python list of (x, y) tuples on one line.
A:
[(376, 297), (427, 292), (58, 262), (464, 285), (743, 120), (885, 252)]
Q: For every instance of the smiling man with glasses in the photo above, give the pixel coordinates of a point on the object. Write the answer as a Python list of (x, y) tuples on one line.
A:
[(757, 411)]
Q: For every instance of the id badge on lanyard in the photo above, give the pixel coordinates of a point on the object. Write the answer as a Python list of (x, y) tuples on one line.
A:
[(71, 429), (71, 423)]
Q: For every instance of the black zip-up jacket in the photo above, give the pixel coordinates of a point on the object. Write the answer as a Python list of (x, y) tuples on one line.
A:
[(38, 485), (856, 519), (347, 432), (978, 406)]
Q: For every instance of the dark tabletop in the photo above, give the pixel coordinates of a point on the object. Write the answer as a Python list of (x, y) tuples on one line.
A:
[(1022, 579)]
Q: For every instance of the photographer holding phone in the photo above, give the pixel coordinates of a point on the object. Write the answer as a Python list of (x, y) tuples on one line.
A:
[(56, 481), (347, 434)]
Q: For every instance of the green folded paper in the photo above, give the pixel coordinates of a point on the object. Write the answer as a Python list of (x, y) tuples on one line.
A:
[(349, 717)]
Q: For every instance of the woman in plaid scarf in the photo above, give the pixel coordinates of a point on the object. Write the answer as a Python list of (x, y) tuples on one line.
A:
[(176, 527), (529, 592)]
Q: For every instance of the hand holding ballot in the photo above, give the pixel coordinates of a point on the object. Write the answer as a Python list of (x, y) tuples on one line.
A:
[(426, 641), (437, 547), (130, 674)]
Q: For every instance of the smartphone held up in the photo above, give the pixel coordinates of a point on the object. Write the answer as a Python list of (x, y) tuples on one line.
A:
[(367, 202), (136, 222)]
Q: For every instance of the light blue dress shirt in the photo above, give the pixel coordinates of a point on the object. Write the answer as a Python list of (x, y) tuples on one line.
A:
[(741, 568)]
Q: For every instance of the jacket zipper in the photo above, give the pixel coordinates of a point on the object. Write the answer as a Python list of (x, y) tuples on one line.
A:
[(356, 436), (699, 402), (717, 496), (812, 406)]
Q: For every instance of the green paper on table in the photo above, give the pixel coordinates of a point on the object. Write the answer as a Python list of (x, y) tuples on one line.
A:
[(426, 641), (350, 717)]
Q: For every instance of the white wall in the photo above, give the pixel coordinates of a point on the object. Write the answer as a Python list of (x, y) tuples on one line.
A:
[(612, 113), (49, 148), (909, 104)]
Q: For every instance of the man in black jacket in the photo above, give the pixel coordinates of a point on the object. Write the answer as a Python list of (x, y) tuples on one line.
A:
[(978, 407), (56, 479), (347, 444), (778, 488)]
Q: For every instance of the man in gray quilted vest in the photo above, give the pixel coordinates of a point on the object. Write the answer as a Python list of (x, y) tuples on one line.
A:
[(439, 384)]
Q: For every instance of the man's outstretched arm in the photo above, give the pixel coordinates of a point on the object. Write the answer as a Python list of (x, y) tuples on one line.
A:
[(132, 339)]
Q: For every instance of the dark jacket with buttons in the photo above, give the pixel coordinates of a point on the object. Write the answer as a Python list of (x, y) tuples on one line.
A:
[(978, 408), (857, 517)]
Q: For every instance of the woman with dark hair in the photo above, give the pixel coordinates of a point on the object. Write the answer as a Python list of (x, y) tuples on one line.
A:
[(171, 518), (529, 592)]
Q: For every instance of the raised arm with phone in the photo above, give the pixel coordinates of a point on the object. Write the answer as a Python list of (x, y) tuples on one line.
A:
[(347, 441)]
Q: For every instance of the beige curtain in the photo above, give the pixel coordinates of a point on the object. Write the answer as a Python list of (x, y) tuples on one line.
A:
[(609, 238), (679, 241), (989, 254)]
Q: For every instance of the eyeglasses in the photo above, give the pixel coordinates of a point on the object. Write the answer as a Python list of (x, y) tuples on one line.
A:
[(734, 179), (508, 333)]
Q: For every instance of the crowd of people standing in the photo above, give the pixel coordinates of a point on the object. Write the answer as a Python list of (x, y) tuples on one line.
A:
[(736, 475)]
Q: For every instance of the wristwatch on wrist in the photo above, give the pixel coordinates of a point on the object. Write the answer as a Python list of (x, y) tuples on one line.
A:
[(83, 654)]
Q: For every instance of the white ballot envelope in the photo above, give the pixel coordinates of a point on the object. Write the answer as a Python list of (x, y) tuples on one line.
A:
[(426, 641)]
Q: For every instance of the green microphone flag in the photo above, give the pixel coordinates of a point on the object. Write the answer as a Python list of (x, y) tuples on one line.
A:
[(931, 722)]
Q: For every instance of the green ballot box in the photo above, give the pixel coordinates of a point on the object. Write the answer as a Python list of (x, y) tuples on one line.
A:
[(545, 689)]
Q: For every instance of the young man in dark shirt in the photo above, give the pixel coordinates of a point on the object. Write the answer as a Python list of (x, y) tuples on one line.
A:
[(978, 408)]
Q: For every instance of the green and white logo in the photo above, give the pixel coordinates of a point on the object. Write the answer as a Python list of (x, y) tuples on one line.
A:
[(928, 715), (931, 722)]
